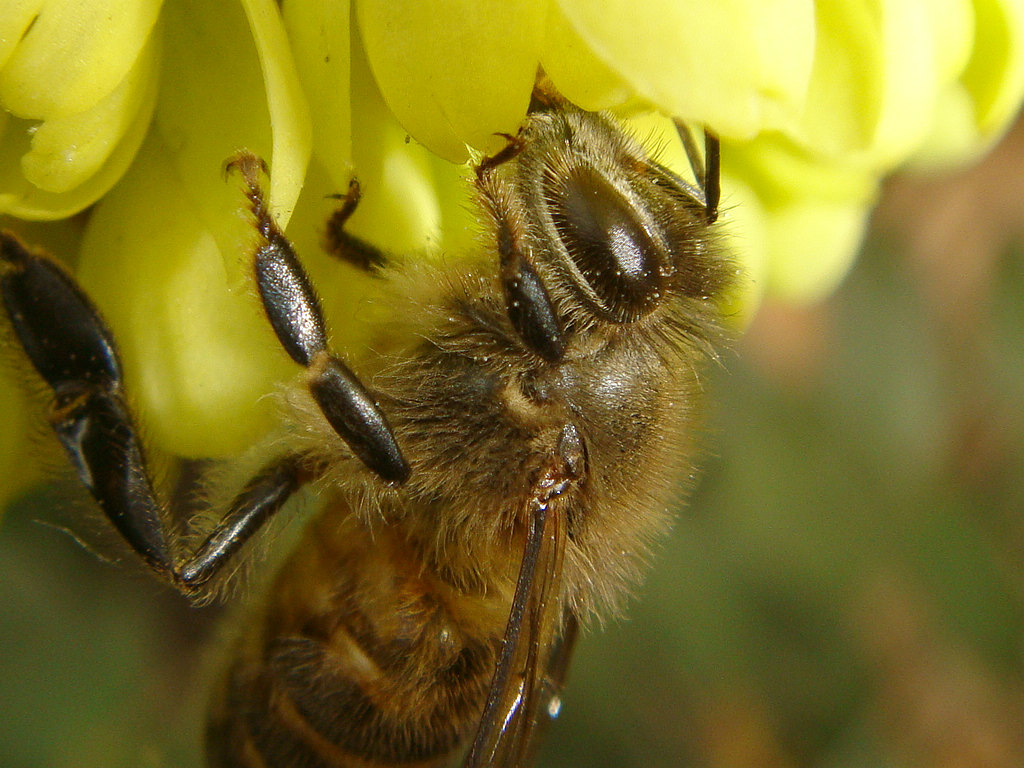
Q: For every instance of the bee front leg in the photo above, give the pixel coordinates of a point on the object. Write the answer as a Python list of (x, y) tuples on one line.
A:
[(526, 299), (71, 348), (706, 171), (293, 309)]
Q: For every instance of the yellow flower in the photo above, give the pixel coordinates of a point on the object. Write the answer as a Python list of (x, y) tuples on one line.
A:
[(929, 82), (132, 107)]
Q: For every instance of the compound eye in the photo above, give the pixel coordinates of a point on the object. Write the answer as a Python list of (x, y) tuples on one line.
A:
[(617, 260)]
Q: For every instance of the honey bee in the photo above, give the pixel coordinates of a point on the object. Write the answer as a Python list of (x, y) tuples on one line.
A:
[(488, 480)]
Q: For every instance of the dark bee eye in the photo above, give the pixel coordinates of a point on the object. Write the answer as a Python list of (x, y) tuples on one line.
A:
[(617, 259)]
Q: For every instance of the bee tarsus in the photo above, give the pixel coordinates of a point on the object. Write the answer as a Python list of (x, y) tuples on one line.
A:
[(343, 244)]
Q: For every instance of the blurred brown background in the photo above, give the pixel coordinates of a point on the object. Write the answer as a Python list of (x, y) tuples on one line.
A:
[(846, 589)]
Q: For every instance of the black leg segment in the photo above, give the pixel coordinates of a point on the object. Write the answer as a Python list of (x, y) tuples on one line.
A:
[(73, 351), (351, 410), (344, 246), (712, 176), (293, 310), (291, 305), (527, 301), (707, 171), (264, 495), (52, 317)]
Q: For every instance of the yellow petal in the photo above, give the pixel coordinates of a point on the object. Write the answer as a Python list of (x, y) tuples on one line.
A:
[(67, 151), (74, 55), (320, 36), (911, 81), (577, 71), (875, 84), (454, 72), (813, 211), (460, 228), (166, 254), (974, 109), (954, 138), (18, 197), (289, 115), (399, 211), (994, 76), (199, 356), (782, 171), (214, 101), (740, 66), (743, 230), (811, 247), (16, 18), (952, 26)]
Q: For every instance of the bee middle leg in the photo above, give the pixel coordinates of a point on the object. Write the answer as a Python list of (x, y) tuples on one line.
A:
[(71, 348)]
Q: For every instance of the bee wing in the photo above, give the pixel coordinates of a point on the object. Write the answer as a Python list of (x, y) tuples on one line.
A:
[(532, 664), (550, 688)]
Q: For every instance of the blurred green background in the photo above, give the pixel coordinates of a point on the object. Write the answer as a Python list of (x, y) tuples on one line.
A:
[(845, 589)]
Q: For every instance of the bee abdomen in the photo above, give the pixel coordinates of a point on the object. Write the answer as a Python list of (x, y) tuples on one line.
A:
[(297, 713), (335, 681)]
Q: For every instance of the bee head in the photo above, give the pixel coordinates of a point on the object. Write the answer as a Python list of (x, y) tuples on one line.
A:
[(616, 229)]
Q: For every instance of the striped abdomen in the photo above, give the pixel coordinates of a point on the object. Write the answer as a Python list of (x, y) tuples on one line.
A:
[(363, 657)]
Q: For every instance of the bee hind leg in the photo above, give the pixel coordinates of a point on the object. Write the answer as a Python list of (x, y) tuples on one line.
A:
[(71, 348), (293, 309)]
